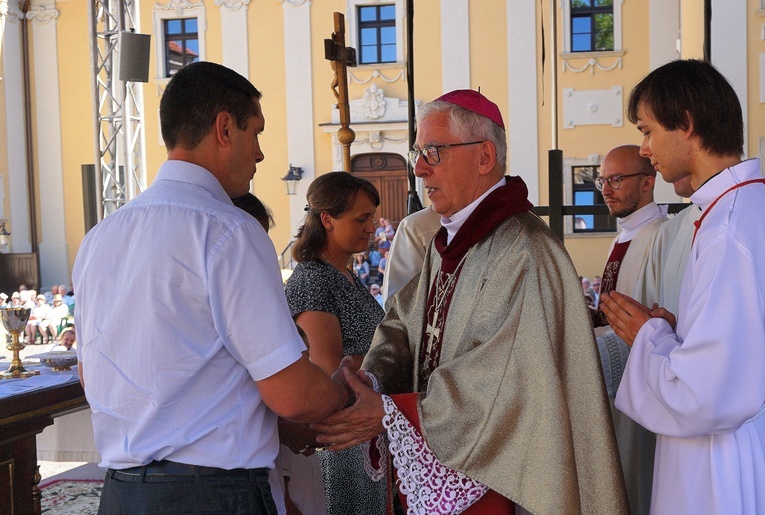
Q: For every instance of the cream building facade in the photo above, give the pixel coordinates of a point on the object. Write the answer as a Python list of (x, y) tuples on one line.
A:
[(551, 92)]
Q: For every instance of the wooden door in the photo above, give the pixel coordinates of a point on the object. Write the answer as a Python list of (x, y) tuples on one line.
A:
[(388, 173)]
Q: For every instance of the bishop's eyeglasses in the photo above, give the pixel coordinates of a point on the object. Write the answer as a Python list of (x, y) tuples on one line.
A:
[(615, 181), (430, 152)]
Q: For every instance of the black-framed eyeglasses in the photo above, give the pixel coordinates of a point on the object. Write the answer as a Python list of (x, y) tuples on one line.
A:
[(615, 181), (430, 152)]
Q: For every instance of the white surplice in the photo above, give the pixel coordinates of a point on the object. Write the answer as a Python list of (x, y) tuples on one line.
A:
[(702, 388), (640, 228), (636, 445), (669, 257), (407, 251)]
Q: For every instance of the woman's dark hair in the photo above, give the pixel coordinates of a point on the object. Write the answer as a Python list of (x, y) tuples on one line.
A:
[(692, 91), (333, 193), (195, 96), (252, 205)]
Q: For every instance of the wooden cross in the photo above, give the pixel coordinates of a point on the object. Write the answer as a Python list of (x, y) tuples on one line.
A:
[(341, 57)]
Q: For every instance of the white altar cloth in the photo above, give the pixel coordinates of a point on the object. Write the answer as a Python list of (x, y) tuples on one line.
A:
[(46, 379)]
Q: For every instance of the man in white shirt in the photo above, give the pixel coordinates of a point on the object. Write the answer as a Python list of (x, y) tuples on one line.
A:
[(186, 384), (696, 379)]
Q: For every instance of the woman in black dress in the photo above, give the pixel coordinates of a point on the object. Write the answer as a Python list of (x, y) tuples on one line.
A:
[(338, 315)]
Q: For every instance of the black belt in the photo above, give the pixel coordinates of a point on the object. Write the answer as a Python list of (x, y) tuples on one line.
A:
[(162, 471)]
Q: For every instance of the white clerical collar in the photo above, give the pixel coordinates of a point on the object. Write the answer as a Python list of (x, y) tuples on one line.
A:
[(454, 222), (632, 223), (712, 188)]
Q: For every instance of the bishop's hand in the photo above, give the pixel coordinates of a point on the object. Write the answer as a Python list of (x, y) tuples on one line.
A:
[(354, 425)]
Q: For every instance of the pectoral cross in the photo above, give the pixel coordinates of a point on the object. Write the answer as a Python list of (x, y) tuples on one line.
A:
[(341, 57), (433, 332), (429, 357)]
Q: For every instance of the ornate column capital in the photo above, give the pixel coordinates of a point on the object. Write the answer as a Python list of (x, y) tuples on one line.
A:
[(9, 11), (42, 14), (296, 3)]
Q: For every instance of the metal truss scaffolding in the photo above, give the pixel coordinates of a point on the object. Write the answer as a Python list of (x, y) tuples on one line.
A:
[(117, 108)]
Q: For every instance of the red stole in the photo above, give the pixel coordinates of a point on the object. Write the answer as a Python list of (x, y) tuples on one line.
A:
[(697, 223), (501, 204), (611, 274)]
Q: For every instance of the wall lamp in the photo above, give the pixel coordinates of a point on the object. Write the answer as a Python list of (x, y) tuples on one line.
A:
[(3, 235), (292, 178)]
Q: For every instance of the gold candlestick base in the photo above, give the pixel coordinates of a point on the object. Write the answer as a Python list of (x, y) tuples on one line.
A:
[(15, 320)]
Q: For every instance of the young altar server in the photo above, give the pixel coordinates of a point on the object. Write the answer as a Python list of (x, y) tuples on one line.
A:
[(698, 381)]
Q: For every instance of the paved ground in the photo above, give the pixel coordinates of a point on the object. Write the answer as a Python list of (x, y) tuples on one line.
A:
[(27, 351), (53, 468)]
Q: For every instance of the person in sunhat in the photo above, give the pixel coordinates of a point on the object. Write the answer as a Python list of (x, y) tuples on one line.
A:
[(58, 312), (37, 316), (493, 396)]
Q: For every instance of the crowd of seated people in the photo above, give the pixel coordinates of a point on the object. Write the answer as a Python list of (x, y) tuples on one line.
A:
[(52, 313)]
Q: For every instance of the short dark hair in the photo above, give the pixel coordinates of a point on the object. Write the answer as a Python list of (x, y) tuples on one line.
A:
[(685, 91), (252, 205), (333, 193), (196, 95)]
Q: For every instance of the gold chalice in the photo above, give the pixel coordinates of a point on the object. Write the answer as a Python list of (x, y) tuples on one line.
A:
[(15, 320)]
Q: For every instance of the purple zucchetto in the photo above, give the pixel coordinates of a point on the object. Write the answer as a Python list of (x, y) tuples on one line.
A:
[(475, 102)]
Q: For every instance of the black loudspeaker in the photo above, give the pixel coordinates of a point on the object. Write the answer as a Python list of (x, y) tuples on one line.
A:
[(89, 196), (134, 52)]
